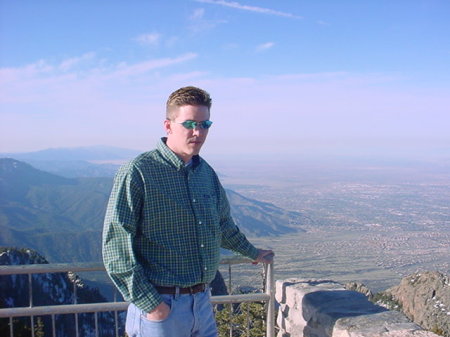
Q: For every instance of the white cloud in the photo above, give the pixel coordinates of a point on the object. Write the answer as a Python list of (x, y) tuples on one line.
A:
[(255, 9), (143, 67), (265, 46), (71, 62), (198, 22), (12, 75), (151, 39), (42, 82), (198, 14), (82, 106)]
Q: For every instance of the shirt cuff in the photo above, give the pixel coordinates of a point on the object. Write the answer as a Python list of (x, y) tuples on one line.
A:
[(149, 302), (250, 251)]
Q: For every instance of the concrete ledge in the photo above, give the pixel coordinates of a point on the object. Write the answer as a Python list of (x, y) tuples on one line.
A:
[(323, 308)]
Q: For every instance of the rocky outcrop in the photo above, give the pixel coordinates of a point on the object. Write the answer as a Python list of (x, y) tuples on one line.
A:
[(425, 299), (360, 288)]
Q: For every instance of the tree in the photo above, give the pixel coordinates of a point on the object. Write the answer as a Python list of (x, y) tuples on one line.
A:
[(39, 328), (246, 320)]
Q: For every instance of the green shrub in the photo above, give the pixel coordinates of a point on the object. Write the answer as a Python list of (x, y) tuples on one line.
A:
[(246, 320)]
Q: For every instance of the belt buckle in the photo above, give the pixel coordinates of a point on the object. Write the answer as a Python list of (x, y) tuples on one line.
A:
[(196, 288)]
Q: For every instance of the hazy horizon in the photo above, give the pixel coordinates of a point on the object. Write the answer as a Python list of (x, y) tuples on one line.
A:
[(432, 161)]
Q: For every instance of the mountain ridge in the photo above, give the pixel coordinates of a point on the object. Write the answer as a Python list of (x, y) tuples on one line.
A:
[(85, 153), (63, 218)]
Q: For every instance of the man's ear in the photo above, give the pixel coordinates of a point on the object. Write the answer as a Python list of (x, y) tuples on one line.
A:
[(167, 126)]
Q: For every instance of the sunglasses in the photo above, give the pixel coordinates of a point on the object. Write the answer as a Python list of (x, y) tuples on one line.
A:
[(193, 124)]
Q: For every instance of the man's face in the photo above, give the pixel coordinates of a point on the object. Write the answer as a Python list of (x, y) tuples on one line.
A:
[(186, 142)]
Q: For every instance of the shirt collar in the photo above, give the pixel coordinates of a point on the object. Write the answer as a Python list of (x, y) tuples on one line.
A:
[(173, 159)]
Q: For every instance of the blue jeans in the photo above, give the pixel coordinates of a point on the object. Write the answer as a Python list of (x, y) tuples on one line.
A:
[(190, 316)]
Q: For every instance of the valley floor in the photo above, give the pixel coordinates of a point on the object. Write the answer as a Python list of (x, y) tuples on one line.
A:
[(378, 258), (372, 224)]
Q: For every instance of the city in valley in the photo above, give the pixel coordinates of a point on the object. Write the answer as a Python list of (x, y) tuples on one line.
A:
[(368, 223)]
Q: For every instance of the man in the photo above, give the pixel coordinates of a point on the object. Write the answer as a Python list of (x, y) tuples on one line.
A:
[(167, 218)]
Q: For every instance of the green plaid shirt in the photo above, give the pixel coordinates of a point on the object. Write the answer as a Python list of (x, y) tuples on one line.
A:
[(165, 224)]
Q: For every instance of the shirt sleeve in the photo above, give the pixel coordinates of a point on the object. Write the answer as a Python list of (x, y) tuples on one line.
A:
[(121, 224), (232, 237)]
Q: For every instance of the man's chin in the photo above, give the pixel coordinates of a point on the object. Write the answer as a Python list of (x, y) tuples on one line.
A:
[(196, 149)]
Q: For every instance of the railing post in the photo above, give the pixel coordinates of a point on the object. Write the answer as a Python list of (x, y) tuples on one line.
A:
[(231, 304), (270, 290), (75, 301), (116, 320), (30, 294), (96, 323), (53, 325), (116, 323), (30, 289), (11, 328)]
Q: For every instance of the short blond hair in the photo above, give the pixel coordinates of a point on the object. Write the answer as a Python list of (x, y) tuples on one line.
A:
[(187, 96)]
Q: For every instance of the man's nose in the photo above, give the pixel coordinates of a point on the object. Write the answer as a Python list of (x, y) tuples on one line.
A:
[(197, 130)]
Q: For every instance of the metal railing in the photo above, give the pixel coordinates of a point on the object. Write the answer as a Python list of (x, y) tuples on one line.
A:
[(268, 296)]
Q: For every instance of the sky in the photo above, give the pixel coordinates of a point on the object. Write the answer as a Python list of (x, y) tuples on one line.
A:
[(286, 77)]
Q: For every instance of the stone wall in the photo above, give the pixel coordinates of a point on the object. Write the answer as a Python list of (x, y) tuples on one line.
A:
[(323, 308)]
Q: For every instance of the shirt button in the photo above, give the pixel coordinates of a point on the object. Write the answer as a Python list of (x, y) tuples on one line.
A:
[(199, 222), (193, 200), (202, 245), (206, 268)]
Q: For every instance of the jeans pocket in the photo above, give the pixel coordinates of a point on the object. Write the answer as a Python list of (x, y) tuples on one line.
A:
[(167, 299)]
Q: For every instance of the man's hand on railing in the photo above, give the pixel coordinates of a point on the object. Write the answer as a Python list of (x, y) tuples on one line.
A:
[(264, 256)]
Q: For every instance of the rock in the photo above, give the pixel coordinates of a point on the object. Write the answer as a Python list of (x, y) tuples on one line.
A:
[(324, 308), (425, 299), (374, 325), (359, 287)]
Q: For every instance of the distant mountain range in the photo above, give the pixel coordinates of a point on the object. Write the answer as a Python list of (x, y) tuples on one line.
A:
[(62, 218), (95, 161), (91, 153)]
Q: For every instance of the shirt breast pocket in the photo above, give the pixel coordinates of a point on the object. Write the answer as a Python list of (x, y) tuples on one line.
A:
[(210, 207)]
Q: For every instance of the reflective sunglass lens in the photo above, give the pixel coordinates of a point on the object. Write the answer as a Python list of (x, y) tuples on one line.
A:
[(206, 124), (193, 124), (189, 124)]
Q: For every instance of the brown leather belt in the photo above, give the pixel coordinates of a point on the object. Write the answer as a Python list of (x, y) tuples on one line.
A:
[(189, 290)]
